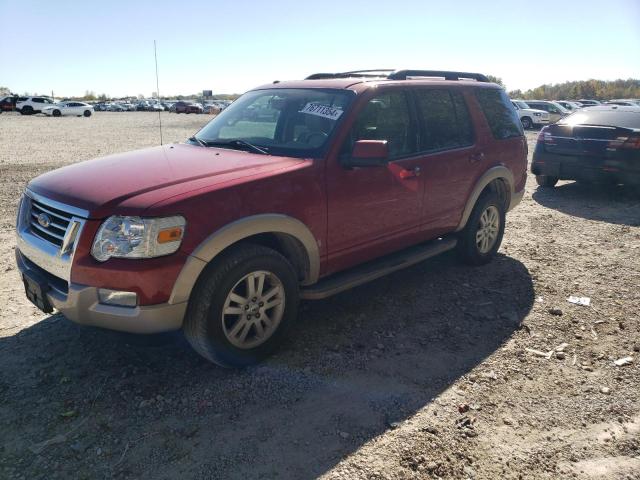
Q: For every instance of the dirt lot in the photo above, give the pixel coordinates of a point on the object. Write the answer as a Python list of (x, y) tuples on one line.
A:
[(423, 374)]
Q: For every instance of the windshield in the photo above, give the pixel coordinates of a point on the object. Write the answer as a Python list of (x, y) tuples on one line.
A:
[(292, 122), (522, 105)]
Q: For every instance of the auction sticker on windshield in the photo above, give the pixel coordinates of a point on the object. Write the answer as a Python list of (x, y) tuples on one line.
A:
[(322, 111)]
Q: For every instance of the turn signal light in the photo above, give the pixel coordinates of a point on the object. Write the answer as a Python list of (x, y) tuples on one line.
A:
[(168, 235)]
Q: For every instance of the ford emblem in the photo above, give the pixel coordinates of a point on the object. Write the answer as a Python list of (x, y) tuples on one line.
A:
[(44, 220)]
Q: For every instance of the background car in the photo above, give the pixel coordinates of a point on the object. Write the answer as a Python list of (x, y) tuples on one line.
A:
[(530, 117), (77, 109), (31, 105), (188, 107), (623, 102), (589, 103), (554, 109), (570, 105), (8, 103), (594, 144), (117, 107)]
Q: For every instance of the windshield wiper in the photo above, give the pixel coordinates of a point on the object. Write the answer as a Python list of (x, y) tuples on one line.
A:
[(200, 142), (237, 143)]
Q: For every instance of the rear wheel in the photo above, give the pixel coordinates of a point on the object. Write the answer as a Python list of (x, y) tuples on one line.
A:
[(526, 123), (546, 181), (242, 306), (27, 110), (481, 238)]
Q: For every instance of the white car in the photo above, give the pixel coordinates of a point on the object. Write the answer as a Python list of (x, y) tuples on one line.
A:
[(530, 117), (69, 108), (31, 105)]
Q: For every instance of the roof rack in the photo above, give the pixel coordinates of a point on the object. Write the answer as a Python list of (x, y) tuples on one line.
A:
[(381, 72), (402, 75)]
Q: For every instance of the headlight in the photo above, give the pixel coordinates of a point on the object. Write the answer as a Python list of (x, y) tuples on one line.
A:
[(537, 114), (137, 237)]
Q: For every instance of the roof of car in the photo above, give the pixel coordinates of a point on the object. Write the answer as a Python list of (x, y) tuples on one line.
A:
[(364, 83)]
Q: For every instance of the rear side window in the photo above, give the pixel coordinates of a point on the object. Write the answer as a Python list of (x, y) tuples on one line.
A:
[(500, 114), (37, 100), (445, 119)]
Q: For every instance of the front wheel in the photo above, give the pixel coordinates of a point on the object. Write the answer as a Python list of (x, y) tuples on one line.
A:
[(526, 123), (546, 181), (242, 306), (87, 113), (481, 238), (56, 113)]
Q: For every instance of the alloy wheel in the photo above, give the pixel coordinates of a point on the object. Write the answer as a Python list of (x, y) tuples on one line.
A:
[(488, 229), (253, 309)]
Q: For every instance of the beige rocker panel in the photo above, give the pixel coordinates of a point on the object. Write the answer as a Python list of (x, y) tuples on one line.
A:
[(236, 231), (494, 173)]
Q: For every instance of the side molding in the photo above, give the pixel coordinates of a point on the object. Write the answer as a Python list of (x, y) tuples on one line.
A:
[(494, 173), (236, 231)]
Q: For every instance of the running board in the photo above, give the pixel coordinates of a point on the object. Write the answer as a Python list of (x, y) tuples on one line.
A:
[(369, 271)]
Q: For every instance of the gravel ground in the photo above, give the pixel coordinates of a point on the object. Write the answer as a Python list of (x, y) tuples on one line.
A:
[(439, 371)]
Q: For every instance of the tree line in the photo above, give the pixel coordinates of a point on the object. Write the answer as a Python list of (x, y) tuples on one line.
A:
[(592, 89)]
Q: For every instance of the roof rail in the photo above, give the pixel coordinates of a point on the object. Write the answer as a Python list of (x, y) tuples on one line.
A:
[(373, 73), (404, 74), (401, 74)]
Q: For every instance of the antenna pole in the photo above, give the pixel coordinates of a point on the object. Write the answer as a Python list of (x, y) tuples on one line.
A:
[(155, 54)]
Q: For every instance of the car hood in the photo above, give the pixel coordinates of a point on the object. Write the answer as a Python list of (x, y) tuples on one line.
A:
[(134, 181)]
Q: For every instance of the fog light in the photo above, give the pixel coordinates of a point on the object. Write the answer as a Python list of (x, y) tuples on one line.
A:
[(116, 297)]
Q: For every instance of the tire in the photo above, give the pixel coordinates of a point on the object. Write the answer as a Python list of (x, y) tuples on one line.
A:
[(87, 113), (56, 113), (26, 110), (546, 181), (214, 334), (527, 123), (488, 215)]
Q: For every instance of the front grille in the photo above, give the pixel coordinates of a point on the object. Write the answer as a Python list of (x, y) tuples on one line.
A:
[(55, 223)]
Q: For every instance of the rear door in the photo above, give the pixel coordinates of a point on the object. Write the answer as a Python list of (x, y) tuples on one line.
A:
[(450, 156)]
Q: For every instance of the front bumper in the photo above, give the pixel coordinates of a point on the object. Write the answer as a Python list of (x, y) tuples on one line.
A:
[(80, 304)]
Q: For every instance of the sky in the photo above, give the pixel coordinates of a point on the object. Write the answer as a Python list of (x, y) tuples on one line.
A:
[(69, 47)]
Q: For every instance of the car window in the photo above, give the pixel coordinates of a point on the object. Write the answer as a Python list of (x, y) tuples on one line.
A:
[(445, 120), (385, 117), (291, 121), (501, 116), (38, 100)]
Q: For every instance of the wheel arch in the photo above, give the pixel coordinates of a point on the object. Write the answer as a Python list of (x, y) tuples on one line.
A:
[(498, 179), (283, 233)]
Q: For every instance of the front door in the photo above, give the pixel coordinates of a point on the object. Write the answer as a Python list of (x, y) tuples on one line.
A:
[(375, 210)]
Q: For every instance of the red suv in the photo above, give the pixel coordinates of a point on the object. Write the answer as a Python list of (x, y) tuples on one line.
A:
[(297, 190)]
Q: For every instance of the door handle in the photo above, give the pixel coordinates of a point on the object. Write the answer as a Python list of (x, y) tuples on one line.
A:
[(409, 173), (476, 157)]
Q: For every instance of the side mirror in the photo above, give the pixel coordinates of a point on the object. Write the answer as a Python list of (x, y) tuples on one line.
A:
[(368, 153)]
